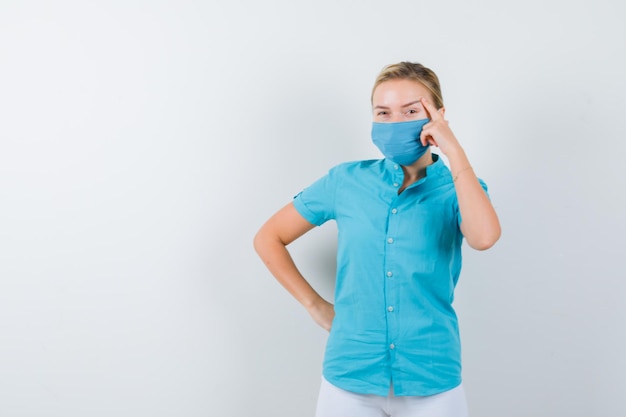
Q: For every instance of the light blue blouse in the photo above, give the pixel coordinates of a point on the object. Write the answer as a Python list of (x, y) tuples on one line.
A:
[(398, 262)]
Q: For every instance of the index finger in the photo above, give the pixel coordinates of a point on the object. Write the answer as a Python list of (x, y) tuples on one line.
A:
[(432, 111)]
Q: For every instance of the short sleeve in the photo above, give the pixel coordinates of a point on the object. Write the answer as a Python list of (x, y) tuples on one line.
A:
[(316, 203)]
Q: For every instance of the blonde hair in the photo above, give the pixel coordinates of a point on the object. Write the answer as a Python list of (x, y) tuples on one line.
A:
[(412, 71)]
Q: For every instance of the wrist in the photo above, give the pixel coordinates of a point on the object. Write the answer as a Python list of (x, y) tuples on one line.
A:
[(455, 175), (456, 156), (312, 302)]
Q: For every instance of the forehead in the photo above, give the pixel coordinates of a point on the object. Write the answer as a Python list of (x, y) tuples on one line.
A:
[(398, 92)]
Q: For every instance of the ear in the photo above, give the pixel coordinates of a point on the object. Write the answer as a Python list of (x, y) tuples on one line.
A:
[(442, 111)]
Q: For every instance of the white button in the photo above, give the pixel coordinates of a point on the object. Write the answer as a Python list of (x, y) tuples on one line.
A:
[(389, 273), (394, 211), (395, 184), (392, 346), (395, 166), (390, 240), (390, 309)]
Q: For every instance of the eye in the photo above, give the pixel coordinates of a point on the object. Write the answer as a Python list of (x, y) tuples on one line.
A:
[(381, 113)]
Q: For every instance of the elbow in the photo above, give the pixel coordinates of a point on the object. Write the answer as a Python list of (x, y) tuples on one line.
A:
[(264, 240), (485, 241), (482, 245), (257, 241)]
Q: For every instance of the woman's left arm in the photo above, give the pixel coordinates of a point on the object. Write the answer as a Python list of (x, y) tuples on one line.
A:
[(479, 224)]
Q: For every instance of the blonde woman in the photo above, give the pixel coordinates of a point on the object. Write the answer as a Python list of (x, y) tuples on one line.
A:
[(394, 345)]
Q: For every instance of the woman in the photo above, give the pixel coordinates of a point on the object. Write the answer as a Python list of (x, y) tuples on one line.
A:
[(394, 346)]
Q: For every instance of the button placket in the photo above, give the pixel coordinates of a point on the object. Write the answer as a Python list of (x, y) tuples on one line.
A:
[(391, 287)]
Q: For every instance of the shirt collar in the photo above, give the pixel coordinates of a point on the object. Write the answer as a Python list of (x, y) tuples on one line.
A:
[(435, 169), (437, 173)]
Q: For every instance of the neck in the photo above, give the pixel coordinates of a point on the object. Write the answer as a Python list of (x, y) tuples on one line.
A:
[(417, 170)]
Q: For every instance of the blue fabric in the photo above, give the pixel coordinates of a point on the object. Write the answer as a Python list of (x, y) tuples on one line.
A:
[(400, 141), (398, 262)]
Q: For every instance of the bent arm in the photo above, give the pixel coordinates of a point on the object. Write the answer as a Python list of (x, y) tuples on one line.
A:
[(271, 242), (479, 224)]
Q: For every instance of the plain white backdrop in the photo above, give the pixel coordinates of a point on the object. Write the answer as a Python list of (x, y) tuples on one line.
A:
[(143, 143)]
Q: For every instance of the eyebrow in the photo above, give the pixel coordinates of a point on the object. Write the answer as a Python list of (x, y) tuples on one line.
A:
[(404, 105)]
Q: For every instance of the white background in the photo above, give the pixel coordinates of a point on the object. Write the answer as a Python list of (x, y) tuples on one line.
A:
[(143, 143)]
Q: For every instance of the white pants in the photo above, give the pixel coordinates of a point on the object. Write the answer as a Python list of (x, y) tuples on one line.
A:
[(336, 402)]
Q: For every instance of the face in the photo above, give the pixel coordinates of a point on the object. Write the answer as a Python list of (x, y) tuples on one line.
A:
[(399, 101)]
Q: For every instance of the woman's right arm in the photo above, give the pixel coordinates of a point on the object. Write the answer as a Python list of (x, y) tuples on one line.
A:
[(271, 242)]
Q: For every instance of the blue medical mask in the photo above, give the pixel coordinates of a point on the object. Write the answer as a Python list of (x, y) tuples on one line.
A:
[(400, 142)]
